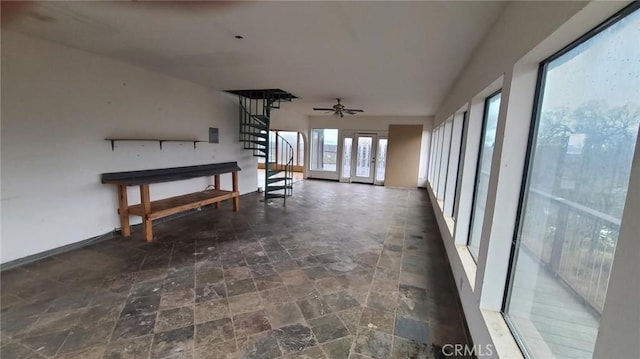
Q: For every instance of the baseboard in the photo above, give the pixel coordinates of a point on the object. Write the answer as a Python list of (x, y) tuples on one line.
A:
[(322, 179), (97, 239), (59, 250)]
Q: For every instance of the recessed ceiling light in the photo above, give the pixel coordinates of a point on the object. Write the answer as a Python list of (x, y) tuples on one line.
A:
[(239, 37)]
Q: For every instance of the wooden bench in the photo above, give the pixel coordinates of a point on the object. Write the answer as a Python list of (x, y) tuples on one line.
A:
[(150, 210)]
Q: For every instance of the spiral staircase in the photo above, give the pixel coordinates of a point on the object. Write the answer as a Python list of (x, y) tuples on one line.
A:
[(256, 134)]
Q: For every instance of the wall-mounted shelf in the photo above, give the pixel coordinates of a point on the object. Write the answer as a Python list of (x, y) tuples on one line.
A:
[(159, 140)]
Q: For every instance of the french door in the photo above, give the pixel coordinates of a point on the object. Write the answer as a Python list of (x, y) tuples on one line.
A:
[(364, 168), (363, 158)]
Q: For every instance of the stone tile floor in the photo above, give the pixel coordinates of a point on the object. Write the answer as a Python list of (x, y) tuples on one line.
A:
[(343, 271)]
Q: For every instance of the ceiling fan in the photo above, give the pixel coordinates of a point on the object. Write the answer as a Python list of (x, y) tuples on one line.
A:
[(339, 109)]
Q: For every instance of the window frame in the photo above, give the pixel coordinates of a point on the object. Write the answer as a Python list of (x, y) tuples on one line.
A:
[(312, 150), (463, 138), (439, 162), (485, 116), (436, 168), (432, 157), (446, 152)]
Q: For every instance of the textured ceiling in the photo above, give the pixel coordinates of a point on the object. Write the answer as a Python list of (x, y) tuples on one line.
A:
[(390, 58)]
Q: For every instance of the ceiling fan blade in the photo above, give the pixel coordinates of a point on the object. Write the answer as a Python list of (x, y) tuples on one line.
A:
[(322, 109), (352, 110)]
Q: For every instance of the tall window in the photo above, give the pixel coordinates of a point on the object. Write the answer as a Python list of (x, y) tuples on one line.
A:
[(300, 149), (585, 133), (485, 157), (324, 148), (283, 153), (454, 167), (280, 153), (432, 158), (444, 162), (439, 133)]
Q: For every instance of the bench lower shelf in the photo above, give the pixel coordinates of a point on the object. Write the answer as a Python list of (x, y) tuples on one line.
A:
[(150, 210), (168, 206)]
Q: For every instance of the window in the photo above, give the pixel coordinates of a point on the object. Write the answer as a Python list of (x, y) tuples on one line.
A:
[(444, 162), (324, 148), (584, 135), (381, 159), (284, 153), (436, 180), (272, 146), (280, 153), (485, 157), (300, 150), (432, 157), (454, 167)]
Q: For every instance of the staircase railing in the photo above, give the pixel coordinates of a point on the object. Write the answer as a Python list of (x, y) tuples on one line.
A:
[(285, 150), (253, 128), (577, 245), (277, 152)]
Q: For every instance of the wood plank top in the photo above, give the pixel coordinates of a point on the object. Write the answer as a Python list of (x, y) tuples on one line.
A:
[(133, 178)]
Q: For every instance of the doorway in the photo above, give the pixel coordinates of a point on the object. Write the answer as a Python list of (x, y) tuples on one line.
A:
[(363, 158)]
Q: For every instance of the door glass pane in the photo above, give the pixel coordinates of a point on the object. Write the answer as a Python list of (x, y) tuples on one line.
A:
[(492, 107), (324, 144), (363, 160), (381, 159), (346, 157), (577, 180)]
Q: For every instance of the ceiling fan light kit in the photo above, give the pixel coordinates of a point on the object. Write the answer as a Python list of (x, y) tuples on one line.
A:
[(339, 109)]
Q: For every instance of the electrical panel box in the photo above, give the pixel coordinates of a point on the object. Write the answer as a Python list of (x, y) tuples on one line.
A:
[(214, 136)]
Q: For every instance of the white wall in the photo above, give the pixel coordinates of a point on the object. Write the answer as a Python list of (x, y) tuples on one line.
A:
[(58, 105), (524, 35), (375, 124), (367, 123), (620, 324), (521, 27), (285, 119)]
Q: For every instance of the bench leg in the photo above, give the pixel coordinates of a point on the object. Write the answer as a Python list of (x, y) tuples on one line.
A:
[(236, 199), (123, 211), (216, 183), (145, 202)]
